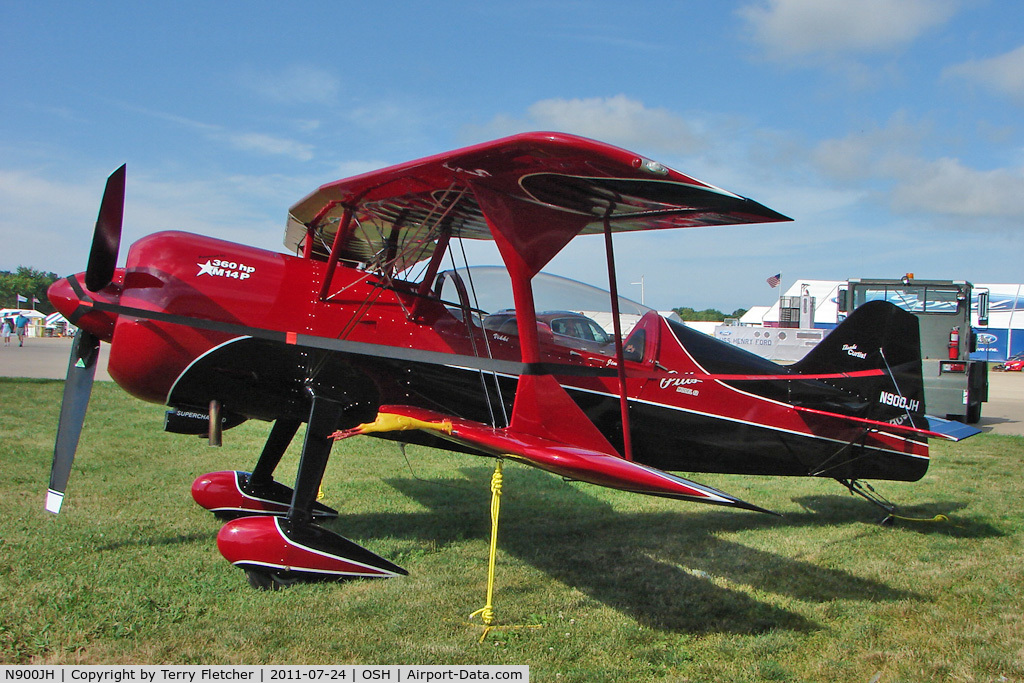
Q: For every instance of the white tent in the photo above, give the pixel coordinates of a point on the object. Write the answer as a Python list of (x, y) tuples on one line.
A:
[(825, 293), (59, 324), (36, 323)]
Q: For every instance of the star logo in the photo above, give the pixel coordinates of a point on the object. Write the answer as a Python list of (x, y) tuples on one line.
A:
[(206, 268)]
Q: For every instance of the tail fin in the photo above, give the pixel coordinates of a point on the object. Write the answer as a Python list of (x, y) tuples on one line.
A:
[(878, 335)]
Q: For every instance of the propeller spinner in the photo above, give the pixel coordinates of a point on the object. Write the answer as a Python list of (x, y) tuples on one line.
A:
[(85, 350)]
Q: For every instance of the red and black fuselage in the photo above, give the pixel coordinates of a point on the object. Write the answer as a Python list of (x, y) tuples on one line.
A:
[(193, 319)]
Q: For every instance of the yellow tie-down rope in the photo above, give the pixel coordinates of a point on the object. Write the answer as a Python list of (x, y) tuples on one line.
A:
[(940, 518), (390, 422), (486, 613)]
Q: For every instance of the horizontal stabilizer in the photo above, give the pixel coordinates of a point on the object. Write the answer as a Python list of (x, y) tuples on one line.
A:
[(937, 427), (951, 429), (567, 460)]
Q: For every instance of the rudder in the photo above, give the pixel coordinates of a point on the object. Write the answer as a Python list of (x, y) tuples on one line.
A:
[(878, 335)]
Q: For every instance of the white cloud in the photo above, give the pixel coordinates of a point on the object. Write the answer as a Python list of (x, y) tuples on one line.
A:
[(296, 84), (789, 29), (857, 157), (948, 187), (47, 222), (45, 217), (258, 143), (1003, 74), (234, 208), (21, 190), (349, 168), (887, 161), (271, 145), (618, 120)]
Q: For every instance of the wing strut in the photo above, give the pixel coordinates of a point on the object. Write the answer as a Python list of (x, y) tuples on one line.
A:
[(332, 261), (613, 288)]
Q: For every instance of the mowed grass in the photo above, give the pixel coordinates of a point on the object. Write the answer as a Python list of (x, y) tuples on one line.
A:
[(619, 587)]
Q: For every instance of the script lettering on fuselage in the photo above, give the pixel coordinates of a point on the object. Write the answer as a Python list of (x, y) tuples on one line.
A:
[(851, 350), (683, 385)]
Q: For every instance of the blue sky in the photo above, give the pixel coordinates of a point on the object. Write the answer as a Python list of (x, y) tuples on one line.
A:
[(890, 130)]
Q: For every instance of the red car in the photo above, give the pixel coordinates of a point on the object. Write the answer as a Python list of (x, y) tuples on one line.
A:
[(570, 329), (1013, 364)]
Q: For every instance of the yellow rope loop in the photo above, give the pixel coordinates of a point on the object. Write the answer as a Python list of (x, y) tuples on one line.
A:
[(486, 614), (496, 480)]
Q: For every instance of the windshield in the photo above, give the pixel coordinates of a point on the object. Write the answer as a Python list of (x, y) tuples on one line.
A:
[(490, 290), (556, 300), (913, 299)]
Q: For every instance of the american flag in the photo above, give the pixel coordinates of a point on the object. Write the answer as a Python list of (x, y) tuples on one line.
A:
[(774, 281)]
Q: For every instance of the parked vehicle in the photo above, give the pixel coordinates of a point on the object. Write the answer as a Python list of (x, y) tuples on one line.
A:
[(569, 329), (1012, 364)]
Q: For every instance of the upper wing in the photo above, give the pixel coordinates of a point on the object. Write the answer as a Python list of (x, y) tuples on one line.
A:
[(538, 189)]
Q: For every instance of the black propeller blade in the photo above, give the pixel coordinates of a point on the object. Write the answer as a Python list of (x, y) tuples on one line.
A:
[(106, 239), (77, 388)]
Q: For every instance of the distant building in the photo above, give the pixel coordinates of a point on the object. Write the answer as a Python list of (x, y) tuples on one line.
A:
[(1001, 338)]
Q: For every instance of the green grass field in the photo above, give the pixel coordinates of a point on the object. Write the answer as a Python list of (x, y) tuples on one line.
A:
[(619, 587)]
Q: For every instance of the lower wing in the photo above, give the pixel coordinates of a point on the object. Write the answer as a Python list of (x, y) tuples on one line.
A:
[(564, 459)]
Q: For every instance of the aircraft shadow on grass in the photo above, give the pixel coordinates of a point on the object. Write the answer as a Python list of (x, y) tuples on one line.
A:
[(928, 518), (667, 570), (147, 541)]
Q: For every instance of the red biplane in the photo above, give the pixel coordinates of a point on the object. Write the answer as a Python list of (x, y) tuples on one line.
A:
[(365, 331)]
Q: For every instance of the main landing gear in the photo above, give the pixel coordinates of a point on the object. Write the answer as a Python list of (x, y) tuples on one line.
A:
[(233, 494), (273, 536)]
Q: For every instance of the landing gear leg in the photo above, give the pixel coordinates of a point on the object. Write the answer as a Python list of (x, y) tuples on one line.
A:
[(278, 551), (324, 418), (281, 435)]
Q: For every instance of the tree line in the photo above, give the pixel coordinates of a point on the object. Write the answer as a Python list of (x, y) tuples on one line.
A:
[(708, 314), (28, 283)]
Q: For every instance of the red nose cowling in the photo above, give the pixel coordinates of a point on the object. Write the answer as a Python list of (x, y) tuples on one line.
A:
[(77, 304)]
